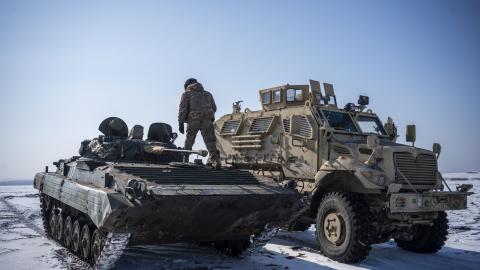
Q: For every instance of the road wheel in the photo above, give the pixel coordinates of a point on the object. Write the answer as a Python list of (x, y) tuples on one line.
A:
[(67, 232), (52, 224), (76, 234), (427, 239), (343, 227), (97, 245), (59, 229), (85, 242)]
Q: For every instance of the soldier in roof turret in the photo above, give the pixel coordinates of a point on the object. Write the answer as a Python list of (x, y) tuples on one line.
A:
[(197, 109)]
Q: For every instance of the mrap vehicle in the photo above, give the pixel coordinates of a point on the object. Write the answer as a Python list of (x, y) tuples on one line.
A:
[(359, 185)]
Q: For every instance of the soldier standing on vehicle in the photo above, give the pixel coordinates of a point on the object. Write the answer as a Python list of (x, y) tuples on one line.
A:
[(197, 109)]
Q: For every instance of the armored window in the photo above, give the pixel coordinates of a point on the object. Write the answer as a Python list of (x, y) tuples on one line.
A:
[(230, 127), (266, 97), (277, 96), (370, 125), (294, 95), (261, 125), (340, 120), (300, 126)]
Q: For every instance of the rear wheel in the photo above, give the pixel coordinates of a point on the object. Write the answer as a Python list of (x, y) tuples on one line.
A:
[(343, 227), (427, 239), (76, 236)]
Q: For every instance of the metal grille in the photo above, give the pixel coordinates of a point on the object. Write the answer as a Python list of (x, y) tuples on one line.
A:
[(302, 126), (421, 170), (191, 176), (286, 125), (261, 125), (341, 150), (230, 127)]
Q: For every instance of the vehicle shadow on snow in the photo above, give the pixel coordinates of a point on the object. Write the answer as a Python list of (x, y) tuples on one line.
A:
[(389, 256), (183, 256)]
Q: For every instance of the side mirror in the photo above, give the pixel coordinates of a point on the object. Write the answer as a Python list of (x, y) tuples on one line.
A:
[(437, 148), (411, 135)]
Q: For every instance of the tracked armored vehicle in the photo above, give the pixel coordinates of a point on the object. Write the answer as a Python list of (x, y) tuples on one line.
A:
[(124, 190), (361, 187)]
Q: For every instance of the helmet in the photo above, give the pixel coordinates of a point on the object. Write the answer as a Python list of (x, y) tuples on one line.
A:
[(188, 82)]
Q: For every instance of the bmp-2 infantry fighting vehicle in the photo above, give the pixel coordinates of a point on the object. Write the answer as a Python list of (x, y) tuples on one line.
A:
[(127, 189), (361, 187)]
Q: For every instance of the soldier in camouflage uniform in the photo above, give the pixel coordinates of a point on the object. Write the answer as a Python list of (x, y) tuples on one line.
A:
[(197, 109)]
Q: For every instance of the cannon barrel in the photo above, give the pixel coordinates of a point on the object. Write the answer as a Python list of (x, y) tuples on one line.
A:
[(159, 150)]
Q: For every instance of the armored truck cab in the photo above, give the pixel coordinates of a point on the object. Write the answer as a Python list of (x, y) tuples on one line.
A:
[(361, 186)]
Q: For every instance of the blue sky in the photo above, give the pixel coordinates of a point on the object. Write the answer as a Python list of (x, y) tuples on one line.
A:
[(65, 66)]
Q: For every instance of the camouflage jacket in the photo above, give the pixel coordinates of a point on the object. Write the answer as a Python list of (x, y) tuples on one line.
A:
[(196, 104)]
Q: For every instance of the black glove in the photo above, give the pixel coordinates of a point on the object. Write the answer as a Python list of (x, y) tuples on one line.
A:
[(181, 127)]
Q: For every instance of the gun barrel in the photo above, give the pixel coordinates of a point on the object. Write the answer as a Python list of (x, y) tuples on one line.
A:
[(202, 153), (158, 150)]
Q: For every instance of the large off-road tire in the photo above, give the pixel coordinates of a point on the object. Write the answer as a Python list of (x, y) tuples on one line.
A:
[(427, 239), (343, 227)]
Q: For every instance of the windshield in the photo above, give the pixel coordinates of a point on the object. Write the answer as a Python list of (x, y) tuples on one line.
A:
[(370, 125), (340, 120)]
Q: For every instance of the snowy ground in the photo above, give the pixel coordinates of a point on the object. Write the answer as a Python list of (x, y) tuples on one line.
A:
[(24, 246)]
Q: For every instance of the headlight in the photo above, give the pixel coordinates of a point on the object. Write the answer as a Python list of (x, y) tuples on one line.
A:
[(374, 177)]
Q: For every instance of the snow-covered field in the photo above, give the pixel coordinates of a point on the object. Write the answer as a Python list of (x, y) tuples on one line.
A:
[(24, 246)]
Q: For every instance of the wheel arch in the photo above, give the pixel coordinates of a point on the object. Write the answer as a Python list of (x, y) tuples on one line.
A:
[(327, 181)]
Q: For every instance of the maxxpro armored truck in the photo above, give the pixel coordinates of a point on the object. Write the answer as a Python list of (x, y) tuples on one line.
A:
[(361, 187)]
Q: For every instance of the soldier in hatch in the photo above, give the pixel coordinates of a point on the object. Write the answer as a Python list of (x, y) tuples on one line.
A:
[(197, 109)]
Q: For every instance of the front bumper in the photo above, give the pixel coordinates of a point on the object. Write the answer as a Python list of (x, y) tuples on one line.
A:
[(427, 201)]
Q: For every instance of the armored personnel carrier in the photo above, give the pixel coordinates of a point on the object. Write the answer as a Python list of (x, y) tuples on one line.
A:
[(361, 187), (125, 190)]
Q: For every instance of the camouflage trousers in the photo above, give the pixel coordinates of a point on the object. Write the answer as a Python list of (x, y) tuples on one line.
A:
[(208, 134)]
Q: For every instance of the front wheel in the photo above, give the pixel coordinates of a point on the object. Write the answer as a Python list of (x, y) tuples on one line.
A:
[(427, 239), (343, 227)]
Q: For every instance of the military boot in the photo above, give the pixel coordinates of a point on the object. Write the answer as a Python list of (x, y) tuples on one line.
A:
[(186, 158), (218, 164), (215, 163)]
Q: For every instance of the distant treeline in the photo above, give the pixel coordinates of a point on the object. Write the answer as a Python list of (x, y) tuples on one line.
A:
[(16, 182)]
